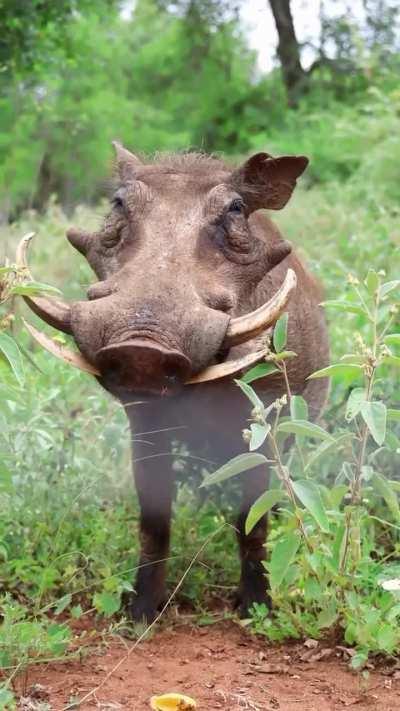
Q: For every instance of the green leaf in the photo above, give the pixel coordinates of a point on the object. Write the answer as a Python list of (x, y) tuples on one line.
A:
[(59, 636), (374, 415), (349, 370), (250, 394), (258, 435), (393, 414), (392, 442), (107, 603), (259, 371), (353, 359), (7, 698), (283, 555), (393, 613), (353, 407), (358, 660), (367, 472), (328, 615), (10, 351), (285, 355), (387, 637), (235, 466), (372, 281), (309, 494), (312, 589), (7, 270), (393, 339), (338, 546), (345, 473), (260, 507), (324, 447), (391, 360), (6, 479), (385, 490), (33, 288), (388, 287), (280, 333), (346, 306), (62, 604), (302, 427), (298, 408)]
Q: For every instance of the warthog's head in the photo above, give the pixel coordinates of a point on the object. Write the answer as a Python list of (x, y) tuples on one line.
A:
[(178, 260)]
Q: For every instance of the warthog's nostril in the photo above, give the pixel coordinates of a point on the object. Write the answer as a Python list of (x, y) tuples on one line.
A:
[(143, 364)]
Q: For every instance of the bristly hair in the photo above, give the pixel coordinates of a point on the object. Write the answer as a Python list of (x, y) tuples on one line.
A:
[(188, 162)]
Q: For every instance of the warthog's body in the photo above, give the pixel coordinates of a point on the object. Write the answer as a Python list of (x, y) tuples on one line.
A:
[(183, 252)]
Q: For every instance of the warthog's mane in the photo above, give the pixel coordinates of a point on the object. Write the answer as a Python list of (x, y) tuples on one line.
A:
[(190, 162), (200, 168)]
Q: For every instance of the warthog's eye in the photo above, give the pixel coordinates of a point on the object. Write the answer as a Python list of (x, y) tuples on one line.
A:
[(117, 201), (236, 206), (111, 240), (112, 234)]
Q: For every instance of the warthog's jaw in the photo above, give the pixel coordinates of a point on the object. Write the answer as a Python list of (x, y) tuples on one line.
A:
[(138, 364)]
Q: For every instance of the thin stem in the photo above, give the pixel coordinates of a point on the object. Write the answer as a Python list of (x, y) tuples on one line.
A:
[(282, 366), (360, 296), (370, 375), (385, 330), (285, 478), (346, 541)]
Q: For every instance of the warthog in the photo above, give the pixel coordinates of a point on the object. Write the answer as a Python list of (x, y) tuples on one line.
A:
[(192, 275)]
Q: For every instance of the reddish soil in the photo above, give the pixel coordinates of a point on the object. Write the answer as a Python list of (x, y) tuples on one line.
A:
[(222, 667)]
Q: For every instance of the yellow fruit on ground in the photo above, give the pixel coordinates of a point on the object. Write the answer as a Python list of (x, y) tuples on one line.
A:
[(172, 702)]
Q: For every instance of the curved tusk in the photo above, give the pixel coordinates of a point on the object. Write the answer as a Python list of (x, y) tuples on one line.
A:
[(55, 312), (230, 367), (59, 351), (245, 327)]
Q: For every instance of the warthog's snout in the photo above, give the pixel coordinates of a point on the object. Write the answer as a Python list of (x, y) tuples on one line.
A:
[(144, 365)]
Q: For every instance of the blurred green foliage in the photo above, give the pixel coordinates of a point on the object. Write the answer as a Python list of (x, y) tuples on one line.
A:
[(76, 74), (156, 82)]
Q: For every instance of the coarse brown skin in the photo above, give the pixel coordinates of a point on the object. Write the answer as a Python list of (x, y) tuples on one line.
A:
[(183, 250)]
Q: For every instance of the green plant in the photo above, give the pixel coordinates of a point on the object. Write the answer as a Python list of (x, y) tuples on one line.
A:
[(328, 555), (15, 281), (24, 641)]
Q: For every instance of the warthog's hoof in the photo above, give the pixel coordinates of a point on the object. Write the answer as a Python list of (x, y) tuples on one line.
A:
[(245, 598), (141, 608)]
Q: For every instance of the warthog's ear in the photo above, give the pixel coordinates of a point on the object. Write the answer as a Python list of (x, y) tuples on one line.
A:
[(267, 182), (126, 162)]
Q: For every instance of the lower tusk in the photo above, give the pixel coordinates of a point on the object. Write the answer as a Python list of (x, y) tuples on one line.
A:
[(243, 328), (55, 312), (230, 367), (21, 252), (71, 357), (77, 360)]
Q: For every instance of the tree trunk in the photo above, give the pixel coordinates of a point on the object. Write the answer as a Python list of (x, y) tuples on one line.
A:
[(294, 76), (48, 184)]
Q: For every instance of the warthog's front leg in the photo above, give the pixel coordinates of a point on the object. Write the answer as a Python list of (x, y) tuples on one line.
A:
[(253, 582), (154, 480)]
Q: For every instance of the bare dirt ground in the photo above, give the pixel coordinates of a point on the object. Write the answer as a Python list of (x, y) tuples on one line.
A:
[(221, 667)]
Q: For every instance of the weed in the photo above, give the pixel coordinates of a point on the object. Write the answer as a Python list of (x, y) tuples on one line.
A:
[(329, 559)]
